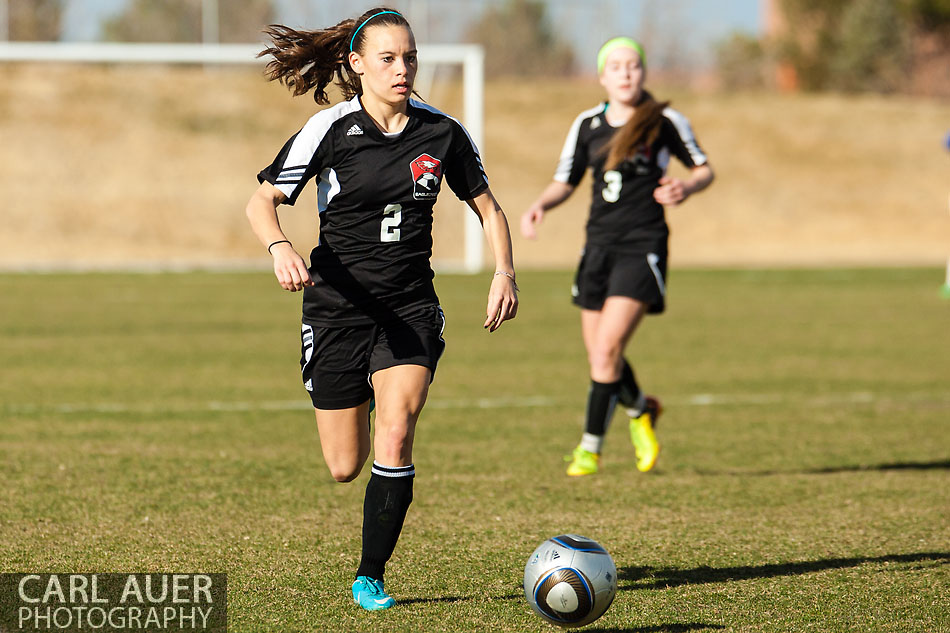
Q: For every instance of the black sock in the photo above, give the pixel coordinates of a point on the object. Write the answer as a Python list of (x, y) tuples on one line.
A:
[(388, 495), (629, 389), (600, 406)]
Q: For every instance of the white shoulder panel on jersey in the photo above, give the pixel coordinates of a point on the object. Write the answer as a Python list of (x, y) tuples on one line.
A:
[(306, 143), (681, 123), (428, 108), (566, 161), (327, 187)]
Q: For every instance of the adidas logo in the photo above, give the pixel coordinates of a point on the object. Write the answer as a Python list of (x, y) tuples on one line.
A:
[(356, 130)]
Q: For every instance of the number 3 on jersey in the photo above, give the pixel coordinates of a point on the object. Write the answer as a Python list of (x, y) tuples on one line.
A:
[(389, 229), (614, 182)]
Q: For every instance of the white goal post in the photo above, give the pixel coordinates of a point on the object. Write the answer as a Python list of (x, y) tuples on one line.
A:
[(470, 56)]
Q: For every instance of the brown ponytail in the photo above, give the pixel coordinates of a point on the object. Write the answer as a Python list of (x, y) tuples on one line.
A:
[(642, 129), (309, 60)]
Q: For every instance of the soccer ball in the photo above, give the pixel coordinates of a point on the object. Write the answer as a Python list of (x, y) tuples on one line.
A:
[(570, 580)]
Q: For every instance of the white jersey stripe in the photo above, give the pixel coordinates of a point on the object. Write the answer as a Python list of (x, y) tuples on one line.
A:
[(566, 161), (308, 140), (681, 123), (663, 159), (327, 187)]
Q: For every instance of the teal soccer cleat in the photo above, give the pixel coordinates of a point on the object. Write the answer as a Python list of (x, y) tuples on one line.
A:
[(368, 593)]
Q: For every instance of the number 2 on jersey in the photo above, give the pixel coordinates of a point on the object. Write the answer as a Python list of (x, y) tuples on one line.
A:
[(614, 182), (389, 229)]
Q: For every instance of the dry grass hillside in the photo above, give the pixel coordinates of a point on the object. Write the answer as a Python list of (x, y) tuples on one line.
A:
[(113, 166)]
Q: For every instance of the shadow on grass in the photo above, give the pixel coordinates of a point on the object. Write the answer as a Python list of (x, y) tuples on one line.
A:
[(445, 600), (935, 465), (685, 627), (653, 578), (450, 599), (938, 465), (661, 628)]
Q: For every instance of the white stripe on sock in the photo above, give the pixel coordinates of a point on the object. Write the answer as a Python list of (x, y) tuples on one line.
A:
[(393, 471), (592, 443)]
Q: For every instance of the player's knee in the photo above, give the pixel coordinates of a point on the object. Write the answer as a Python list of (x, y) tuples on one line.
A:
[(393, 441), (344, 476), (604, 358), (344, 473)]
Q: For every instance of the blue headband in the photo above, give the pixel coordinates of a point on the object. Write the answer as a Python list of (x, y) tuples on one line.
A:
[(353, 39)]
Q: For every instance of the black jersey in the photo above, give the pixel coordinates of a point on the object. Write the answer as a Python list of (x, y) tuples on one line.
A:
[(623, 214), (375, 194)]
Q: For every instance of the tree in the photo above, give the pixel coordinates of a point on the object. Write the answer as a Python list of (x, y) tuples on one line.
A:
[(180, 21), (810, 39), (929, 15), (518, 40), (871, 52), (35, 20), (877, 45), (740, 60)]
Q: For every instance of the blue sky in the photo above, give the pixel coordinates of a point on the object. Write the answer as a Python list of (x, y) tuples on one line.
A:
[(685, 29)]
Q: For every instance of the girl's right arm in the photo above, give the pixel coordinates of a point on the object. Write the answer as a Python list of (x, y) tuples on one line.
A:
[(289, 266), (553, 195)]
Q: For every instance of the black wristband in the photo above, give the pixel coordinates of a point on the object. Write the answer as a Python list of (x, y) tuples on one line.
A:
[(277, 242)]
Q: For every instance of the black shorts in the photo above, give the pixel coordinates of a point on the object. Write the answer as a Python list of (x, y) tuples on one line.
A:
[(603, 273), (337, 362)]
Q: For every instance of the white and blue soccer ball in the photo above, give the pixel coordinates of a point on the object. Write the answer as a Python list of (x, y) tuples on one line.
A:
[(570, 580)]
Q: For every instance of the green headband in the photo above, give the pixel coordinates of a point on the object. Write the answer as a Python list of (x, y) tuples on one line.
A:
[(614, 44)]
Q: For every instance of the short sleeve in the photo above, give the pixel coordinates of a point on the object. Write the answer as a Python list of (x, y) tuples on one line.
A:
[(465, 174), (682, 141), (575, 154), (301, 157)]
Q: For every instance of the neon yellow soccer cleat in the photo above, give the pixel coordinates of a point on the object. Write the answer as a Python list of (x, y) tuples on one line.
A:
[(643, 437), (583, 462)]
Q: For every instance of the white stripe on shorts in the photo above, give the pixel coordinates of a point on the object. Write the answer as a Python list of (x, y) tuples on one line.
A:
[(653, 259)]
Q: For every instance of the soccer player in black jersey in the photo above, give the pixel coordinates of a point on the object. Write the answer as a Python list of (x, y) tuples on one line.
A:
[(372, 325), (627, 142)]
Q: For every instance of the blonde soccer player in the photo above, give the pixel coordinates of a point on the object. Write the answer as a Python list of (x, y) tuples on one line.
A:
[(626, 142)]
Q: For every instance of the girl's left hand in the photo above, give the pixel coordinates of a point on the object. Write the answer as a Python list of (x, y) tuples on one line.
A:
[(502, 302), (671, 191)]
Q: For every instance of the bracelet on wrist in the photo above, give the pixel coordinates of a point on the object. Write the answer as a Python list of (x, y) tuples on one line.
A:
[(275, 243), (509, 276)]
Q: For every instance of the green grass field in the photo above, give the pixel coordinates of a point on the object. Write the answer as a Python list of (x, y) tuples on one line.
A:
[(156, 423)]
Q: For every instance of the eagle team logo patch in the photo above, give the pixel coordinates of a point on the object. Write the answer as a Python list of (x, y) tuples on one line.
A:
[(643, 160), (427, 176)]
